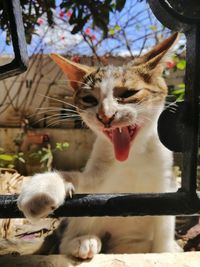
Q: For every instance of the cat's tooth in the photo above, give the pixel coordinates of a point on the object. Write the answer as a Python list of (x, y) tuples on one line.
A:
[(120, 130)]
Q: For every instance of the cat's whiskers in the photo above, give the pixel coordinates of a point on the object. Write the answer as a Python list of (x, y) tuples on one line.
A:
[(66, 80), (62, 115), (53, 110), (55, 121), (59, 116), (56, 108), (171, 103), (63, 102)]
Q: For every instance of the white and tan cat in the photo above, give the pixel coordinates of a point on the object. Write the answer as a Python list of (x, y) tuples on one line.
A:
[(121, 105)]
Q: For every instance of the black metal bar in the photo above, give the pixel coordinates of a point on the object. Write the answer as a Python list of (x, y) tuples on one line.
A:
[(20, 63), (185, 11), (186, 19), (166, 16), (192, 94), (184, 202), (114, 205)]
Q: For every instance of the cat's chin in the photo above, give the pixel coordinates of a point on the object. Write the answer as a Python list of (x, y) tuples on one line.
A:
[(121, 139)]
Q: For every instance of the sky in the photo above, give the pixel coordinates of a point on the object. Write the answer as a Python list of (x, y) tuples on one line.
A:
[(60, 40)]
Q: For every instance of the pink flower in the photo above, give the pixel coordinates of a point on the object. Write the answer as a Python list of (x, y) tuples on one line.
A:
[(40, 21), (61, 14), (170, 64), (87, 31), (75, 58), (93, 37)]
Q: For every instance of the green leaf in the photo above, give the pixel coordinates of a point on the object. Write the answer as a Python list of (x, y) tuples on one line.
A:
[(153, 28), (111, 31), (62, 146), (65, 144), (6, 157), (79, 25), (181, 64), (45, 157), (181, 85), (102, 22), (21, 160), (66, 4), (178, 91), (117, 28), (181, 97), (11, 166), (72, 19), (120, 4)]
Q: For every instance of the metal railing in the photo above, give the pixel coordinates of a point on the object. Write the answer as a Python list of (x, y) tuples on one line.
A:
[(20, 62), (182, 18)]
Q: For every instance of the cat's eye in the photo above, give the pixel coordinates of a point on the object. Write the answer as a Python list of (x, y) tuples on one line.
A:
[(128, 93), (90, 100)]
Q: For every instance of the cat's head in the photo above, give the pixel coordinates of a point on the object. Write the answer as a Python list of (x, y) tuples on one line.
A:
[(116, 102)]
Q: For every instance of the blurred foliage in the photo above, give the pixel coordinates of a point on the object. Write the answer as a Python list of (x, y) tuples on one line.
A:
[(44, 155), (175, 64), (179, 91), (8, 160), (80, 12)]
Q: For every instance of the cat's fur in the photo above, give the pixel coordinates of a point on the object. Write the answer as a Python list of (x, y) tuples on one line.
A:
[(132, 160)]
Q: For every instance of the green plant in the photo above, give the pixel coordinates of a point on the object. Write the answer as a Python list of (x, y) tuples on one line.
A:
[(45, 154), (8, 160), (179, 91), (176, 63)]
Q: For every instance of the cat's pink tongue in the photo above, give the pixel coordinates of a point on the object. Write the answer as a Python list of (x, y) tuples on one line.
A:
[(122, 143)]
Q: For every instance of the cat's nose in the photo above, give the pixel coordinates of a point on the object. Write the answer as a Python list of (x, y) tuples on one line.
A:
[(103, 118)]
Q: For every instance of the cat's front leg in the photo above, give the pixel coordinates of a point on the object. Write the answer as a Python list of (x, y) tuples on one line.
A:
[(164, 235), (43, 194)]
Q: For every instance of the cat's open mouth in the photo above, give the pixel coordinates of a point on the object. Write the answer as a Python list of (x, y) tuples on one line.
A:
[(121, 139)]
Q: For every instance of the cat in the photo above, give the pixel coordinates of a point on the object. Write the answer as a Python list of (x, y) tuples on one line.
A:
[(121, 105)]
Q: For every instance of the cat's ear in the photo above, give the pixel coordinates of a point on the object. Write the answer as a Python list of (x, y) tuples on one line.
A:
[(74, 71), (152, 58)]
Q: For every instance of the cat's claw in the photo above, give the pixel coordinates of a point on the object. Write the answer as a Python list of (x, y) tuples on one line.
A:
[(70, 190), (43, 194), (84, 247)]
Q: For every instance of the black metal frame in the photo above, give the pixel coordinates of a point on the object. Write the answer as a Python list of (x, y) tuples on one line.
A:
[(184, 202), (20, 62)]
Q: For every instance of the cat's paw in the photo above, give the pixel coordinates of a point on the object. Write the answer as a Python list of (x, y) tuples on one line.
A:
[(84, 247), (43, 194)]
